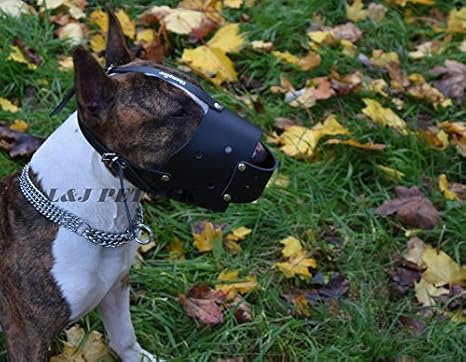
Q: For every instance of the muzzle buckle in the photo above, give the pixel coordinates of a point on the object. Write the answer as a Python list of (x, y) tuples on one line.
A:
[(143, 234)]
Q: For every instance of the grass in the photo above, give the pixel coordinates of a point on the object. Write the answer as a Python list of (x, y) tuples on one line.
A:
[(337, 191)]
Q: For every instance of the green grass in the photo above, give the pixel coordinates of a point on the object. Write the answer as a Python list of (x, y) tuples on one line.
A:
[(340, 190)]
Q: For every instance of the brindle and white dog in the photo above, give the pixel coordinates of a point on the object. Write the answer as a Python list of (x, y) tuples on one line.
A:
[(49, 276)]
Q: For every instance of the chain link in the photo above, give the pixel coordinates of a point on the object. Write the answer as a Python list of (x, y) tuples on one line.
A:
[(72, 222)]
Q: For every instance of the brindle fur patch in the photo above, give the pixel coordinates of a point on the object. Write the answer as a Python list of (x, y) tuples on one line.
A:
[(32, 308)]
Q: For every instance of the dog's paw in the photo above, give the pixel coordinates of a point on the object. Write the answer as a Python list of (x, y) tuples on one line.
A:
[(148, 357), (139, 355)]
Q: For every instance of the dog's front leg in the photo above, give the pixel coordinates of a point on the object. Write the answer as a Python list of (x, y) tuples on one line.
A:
[(117, 320)]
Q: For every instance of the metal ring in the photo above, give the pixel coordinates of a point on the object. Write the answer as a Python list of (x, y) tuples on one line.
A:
[(139, 230)]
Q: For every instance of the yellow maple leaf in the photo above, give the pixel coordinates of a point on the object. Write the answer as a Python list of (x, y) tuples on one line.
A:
[(391, 172), (383, 116), (17, 56), (425, 292), (298, 264), (356, 11), (240, 233), (456, 22), (211, 62), (357, 144), (292, 246), (301, 142), (322, 37), (19, 126), (97, 43), (441, 269), (443, 186), (227, 39), (73, 32), (7, 106), (234, 4), (100, 18), (93, 348), (381, 59), (127, 25), (176, 249), (422, 90), (145, 36), (65, 63), (235, 284), (286, 56), (203, 241)]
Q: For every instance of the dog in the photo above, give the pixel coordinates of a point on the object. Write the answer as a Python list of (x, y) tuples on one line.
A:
[(162, 130), (51, 277)]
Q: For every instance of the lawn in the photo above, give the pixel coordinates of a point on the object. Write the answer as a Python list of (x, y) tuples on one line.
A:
[(328, 204)]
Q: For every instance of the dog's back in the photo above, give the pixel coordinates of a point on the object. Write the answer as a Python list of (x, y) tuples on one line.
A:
[(25, 264)]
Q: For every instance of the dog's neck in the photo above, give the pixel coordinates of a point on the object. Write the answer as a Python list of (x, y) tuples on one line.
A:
[(66, 161)]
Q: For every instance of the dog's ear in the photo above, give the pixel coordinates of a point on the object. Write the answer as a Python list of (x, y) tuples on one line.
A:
[(93, 87), (117, 52)]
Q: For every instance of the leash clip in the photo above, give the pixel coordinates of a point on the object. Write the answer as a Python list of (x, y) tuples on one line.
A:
[(143, 234)]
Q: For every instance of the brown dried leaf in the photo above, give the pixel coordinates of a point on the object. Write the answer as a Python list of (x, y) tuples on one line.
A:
[(203, 304), (412, 208), (18, 144), (347, 31), (453, 82)]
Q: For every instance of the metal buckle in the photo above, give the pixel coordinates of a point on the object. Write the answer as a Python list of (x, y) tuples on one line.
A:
[(109, 158), (143, 234), (82, 228)]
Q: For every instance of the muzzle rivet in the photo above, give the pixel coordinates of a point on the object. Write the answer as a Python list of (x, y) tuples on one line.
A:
[(227, 198), (218, 106), (241, 167), (165, 178)]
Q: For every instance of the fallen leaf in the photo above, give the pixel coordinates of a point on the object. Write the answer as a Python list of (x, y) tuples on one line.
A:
[(426, 49), (456, 22), (262, 45), (239, 233), (179, 21), (31, 56), (441, 269), (235, 285), (345, 84), (376, 12), (100, 18), (356, 11), (316, 89), (453, 82), (292, 246), (381, 59), (73, 32), (203, 305), (242, 310), (18, 144), (7, 106), (176, 249), (412, 208), (93, 348), (444, 187), (234, 4), (65, 63), (357, 144), (17, 56), (420, 89), (204, 234), (14, 7), (19, 126), (378, 86), (347, 31), (97, 42), (310, 61), (391, 172), (212, 63), (383, 116), (286, 56), (227, 39), (462, 46), (127, 25), (416, 248), (426, 291), (301, 142), (298, 264)]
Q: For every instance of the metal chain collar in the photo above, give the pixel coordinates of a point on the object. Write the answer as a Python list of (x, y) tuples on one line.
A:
[(75, 224)]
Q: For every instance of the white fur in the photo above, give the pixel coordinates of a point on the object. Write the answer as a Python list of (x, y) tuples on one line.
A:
[(87, 274)]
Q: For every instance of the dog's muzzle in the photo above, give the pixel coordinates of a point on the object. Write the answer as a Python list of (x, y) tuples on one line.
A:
[(224, 161)]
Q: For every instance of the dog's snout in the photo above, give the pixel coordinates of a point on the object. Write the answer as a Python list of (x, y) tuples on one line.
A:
[(259, 155)]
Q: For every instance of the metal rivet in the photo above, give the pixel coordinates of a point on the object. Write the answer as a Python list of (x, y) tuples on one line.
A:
[(242, 167), (198, 155), (218, 106), (227, 198), (165, 178), (228, 149)]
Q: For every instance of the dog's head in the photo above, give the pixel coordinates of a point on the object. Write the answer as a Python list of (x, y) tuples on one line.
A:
[(144, 118)]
